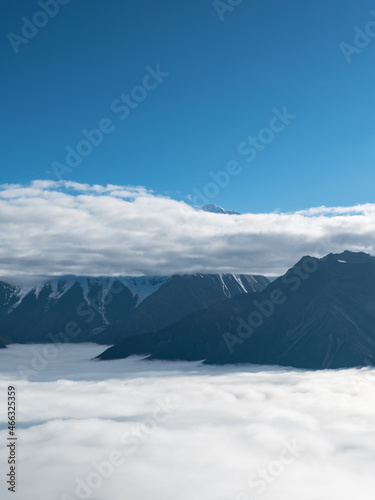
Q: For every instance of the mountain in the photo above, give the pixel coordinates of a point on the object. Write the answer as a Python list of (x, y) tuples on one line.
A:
[(106, 310), (320, 314), (216, 209), (179, 296), (36, 313)]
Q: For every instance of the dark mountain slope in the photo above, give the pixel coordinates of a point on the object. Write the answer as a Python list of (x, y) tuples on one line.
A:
[(320, 314), (90, 306), (178, 297)]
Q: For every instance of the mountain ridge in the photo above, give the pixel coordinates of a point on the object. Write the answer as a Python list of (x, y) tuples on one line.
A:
[(320, 314), (36, 313)]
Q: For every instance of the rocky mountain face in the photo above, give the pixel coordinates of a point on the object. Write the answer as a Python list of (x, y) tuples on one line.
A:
[(106, 309), (320, 314), (177, 298)]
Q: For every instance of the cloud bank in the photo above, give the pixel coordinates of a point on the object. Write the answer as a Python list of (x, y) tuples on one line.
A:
[(57, 228), (139, 429)]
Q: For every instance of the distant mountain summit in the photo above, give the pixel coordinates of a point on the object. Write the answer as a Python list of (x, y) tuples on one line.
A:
[(319, 315), (216, 209)]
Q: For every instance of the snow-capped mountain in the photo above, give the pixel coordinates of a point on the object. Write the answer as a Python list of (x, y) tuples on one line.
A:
[(55, 289), (217, 209), (108, 309)]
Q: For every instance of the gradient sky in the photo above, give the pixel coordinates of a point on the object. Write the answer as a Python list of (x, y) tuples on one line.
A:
[(225, 78)]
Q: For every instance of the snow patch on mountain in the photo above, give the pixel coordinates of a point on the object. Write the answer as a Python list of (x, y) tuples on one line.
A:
[(143, 286), (225, 288), (139, 286), (238, 278)]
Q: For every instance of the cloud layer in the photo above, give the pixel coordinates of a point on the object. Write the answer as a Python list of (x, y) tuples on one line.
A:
[(53, 228), (183, 431)]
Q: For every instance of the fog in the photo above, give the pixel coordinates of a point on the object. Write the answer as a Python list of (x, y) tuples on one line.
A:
[(135, 429)]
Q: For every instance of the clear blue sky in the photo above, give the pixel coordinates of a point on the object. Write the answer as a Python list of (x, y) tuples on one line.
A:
[(225, 78)]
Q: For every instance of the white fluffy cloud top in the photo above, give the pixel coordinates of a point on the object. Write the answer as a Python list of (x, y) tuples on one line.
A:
[(132, 429), (53, 228)]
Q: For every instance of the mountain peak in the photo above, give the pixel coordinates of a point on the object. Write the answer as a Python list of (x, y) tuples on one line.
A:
[(324, 319), (352, 257), (217, 209)]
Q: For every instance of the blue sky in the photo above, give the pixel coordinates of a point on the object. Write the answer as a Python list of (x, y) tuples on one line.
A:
[(225, 78)]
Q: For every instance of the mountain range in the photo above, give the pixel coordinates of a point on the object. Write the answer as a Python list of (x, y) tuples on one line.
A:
[(106, 310), (319, 315)]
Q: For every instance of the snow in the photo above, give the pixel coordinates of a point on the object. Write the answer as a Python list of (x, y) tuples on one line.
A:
[(217, 209), (143, 286), (237, 277), (20, 293), (224, 286), (139, 286)]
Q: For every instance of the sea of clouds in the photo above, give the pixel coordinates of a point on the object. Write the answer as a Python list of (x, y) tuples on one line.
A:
[(136, 430), (54, 228)]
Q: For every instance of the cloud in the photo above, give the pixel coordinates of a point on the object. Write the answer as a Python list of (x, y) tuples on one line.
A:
[(224, 433), (54, 228)]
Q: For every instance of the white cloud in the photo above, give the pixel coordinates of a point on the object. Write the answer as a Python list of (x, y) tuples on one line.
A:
[(52, 228), (227, 425)]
